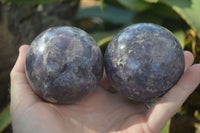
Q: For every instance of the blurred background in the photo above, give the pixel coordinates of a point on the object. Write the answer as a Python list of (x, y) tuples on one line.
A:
[(22, 20)]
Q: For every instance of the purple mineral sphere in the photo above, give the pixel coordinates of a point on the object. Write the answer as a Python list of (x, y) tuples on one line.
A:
[(63, 65), (144, 61)]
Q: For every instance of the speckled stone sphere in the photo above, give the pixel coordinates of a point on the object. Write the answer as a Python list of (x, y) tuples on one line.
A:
[(63, 65), (144, 61)]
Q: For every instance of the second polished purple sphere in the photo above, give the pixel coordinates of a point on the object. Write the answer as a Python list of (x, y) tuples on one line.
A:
[(63, 65), (144, 61)]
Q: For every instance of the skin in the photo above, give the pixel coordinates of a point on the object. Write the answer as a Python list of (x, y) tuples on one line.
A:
[(100, 112)]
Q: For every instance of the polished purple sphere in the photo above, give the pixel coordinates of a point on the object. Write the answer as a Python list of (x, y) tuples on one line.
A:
[(63, 65), (144, 61)]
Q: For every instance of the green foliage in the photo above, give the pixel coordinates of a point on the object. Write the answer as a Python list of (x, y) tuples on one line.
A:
[(181, 111), (5, 118), (152, 1), (101, 4), (112, 14), (180, 35), (135, 5), (104, 43), (188, 9), (163, 11), (99, 36), (113, 3), (166, 129), (31, 1)]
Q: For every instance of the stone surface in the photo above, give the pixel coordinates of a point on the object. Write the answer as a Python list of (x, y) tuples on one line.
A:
[(144, 61), (64, 64)]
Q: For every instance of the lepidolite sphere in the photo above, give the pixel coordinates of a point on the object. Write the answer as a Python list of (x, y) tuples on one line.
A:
[(63, 65), (144, 61)]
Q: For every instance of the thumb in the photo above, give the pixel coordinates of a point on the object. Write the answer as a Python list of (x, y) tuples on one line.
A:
[(21, 92)]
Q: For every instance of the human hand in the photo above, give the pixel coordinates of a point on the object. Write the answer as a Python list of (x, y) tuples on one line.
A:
[(100, 112)]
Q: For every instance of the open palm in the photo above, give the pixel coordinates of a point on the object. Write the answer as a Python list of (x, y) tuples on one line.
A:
[(100, 112)]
